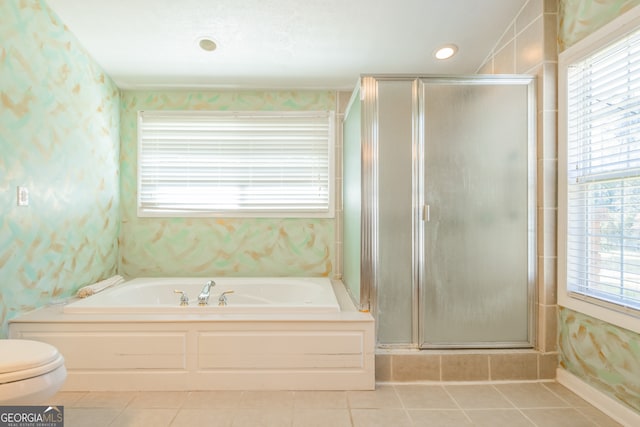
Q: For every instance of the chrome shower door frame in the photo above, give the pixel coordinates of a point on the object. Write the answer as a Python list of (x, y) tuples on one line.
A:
[(425, 210)]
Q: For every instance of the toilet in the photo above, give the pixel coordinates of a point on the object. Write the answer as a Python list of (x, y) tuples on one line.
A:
[(30, 372)]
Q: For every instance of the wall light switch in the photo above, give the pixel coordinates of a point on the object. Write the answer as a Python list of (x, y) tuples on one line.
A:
[(23, 196)]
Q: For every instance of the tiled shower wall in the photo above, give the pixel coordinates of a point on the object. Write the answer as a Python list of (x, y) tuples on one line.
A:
[(59, 120), (528, 46), (605, 356), (219, 246)]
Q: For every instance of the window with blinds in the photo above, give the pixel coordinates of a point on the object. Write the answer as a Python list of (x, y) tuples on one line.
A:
[(242, 163), (603, 176)]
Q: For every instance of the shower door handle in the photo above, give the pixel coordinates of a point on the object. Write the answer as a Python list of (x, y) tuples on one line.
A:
[(426, 213)]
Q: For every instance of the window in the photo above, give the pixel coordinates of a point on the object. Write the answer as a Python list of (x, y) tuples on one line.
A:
[(600, 174), (248, 163)]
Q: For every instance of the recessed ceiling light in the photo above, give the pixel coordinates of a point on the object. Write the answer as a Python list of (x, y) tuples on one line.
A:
[(207, 44), (446, 52)]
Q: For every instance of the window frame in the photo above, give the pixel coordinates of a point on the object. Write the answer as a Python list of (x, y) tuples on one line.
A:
[(602, 38), (329, 213)]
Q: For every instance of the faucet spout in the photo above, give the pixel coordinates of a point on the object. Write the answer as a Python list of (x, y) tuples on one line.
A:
[(203, 298)]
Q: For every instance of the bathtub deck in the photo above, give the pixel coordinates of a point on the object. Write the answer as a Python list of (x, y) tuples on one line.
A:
[(323, 351)]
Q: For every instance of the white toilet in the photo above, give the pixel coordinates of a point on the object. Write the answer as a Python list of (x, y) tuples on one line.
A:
[(30, 372)]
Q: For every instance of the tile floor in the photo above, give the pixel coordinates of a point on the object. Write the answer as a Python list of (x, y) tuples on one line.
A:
[(512, 405)]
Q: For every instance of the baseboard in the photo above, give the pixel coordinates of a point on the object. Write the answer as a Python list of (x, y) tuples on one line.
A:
[(606, 404)]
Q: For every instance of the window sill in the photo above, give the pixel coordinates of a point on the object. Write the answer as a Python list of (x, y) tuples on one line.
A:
[(623, 320)]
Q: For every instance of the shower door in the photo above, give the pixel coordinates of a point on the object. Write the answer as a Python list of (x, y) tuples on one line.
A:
[(477, 244)]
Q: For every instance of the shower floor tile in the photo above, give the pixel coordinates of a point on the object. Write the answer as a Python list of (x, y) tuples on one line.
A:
[(397, 405)]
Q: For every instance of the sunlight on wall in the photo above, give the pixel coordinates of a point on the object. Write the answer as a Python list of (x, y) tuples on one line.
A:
[(218, 246), (59, 121)]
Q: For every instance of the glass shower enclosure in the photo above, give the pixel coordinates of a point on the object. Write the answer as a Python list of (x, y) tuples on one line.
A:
[(439, 209)]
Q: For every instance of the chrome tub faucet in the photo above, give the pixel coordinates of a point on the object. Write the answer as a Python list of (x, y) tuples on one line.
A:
[(203, 298)]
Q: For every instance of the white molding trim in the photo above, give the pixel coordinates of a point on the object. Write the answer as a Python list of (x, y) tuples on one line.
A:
[(603, 402)]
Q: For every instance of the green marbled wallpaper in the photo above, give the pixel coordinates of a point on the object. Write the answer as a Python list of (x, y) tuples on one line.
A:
[(218, 246), (59, 118), (579, 18), (605, 356)]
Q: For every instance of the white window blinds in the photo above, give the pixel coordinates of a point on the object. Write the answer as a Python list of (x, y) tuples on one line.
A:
[(603, 172), (247, 163)]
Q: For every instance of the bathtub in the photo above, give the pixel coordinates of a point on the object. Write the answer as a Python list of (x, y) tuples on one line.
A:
[(249, 295), (274, 334)]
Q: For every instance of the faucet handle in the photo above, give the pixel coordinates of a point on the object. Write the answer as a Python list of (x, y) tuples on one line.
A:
[(184, 298), (222, 300)]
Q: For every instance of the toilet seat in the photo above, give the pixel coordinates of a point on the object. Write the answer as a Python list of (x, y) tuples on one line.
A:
[(23, 359)]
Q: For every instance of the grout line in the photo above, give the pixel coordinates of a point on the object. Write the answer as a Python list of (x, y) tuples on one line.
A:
[(533, 20), (403, 407), (457, 404), (174, 416), (559, 397), (515, 406)]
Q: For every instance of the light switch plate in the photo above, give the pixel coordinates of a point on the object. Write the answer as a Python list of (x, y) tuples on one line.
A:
[(23, 196)]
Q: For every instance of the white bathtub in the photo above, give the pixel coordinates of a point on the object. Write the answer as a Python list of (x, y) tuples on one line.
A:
[(250, 295), (274, 334)]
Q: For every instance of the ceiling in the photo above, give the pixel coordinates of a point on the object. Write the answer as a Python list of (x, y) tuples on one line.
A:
[(276, 44)]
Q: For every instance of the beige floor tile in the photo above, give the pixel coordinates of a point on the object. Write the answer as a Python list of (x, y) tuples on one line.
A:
[(557, 417), (132, 417), (537, 404), (105, 399), (310, 417), (267, 399), (66, 398), (94, 417), (531, 395), (439, 417), (263, 417), (204, 417), (382, 397), (565, 394), (598, 417), (320, 399), (477, 396), (213, 399), (158, 399), (425, 397), (498, 418), (380, 418)]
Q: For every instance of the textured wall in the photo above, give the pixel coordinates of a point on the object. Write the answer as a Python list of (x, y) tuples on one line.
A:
[(218, 246), (59, 117), (579, 18), (605, 356)]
